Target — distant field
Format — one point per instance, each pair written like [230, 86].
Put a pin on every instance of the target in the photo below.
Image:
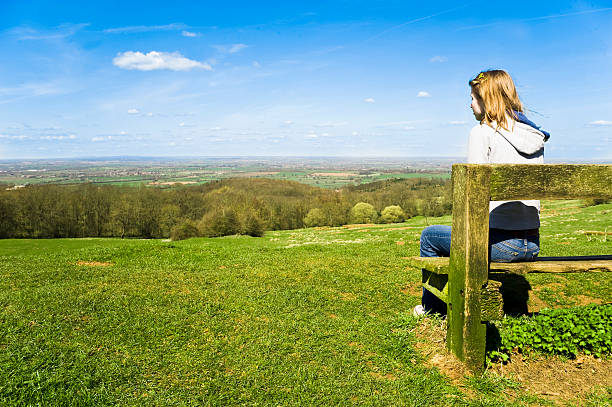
[169, 178]
[325, 173]
[301, 317]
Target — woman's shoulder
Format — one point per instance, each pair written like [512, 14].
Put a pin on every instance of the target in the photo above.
[481, 130]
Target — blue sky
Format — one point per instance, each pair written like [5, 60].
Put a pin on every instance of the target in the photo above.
[316, 78]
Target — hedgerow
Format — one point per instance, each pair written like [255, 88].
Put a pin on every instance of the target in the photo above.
[566, 332]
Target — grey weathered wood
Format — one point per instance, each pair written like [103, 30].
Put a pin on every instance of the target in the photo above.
[468, 266]
[572, 264]
[438, 265]
[545, 181]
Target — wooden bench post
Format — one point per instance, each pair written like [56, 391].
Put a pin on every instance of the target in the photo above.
[468, 267]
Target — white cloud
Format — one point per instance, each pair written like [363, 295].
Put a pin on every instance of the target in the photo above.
[236, 47]
[354, 133]
[31, 89]
[369, 100]
[409, 128]
[256, 64]
[150, 114]
[154, 60]
[185, 33]
[216, 128]
[288, 122]
[144, 28]
[438, 58]
[423, 94]
[59, 32]
[59, 137]
[133, 111]
[230, 48]
[338, 124]
[396, 124]
[20, 137]
[601, 123]
[311, 135]
[457, 122]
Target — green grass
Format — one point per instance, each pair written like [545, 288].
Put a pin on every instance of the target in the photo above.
[303, 317]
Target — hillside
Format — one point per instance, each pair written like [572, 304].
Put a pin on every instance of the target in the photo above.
[298, 317]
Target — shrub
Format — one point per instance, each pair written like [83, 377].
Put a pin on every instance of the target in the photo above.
[393, 214]
[315, 217]
[363, 212]
[253, 225]
[220, 223]
[563, 332]
[595, 201]
[184, 230]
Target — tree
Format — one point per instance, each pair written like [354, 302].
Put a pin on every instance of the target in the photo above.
[169, 217]
[363, 212]
[315, 217]
[252, 225]
[393, 214]
[220, 223]
[184, 230]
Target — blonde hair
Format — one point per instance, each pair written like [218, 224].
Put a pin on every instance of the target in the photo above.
[498, 94]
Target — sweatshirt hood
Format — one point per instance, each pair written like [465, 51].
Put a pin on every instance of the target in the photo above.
[520, 117]
[524, 138]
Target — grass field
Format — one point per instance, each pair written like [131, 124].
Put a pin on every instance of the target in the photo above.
[304, 317]
[179, 176]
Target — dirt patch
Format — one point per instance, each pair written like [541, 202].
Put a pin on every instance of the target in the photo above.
[431, 344]
[400, 243]
[256, 173]
[172, 182]
[584, 300]
[536, 304]
[333, 174]
[348, 296]
[557, 380]
[412, 289]
[359, 225]
[379, 376]
[93, 263]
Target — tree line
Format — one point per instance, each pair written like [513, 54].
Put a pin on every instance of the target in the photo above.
[231, 206]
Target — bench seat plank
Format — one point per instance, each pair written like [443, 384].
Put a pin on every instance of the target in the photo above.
[573, 264]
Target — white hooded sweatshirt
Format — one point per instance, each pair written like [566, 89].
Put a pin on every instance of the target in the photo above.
[523, 144]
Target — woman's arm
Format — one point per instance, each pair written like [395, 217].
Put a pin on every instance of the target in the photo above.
[479, 145]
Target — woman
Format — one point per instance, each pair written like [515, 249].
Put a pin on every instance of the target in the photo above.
[504, 135]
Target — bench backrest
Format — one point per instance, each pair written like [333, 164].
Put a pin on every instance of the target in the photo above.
[474, 185]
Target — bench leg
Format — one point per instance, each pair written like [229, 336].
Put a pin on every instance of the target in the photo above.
[468, 266]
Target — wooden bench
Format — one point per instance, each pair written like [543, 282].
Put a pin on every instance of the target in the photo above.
[463, 280]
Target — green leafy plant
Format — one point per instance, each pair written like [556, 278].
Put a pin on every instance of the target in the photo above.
[565, 332]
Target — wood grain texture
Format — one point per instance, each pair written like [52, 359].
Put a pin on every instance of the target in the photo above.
[437, 265]
[572, 264]
[546, 181]
[468, 264]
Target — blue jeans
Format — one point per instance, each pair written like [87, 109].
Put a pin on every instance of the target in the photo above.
[503, 248]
